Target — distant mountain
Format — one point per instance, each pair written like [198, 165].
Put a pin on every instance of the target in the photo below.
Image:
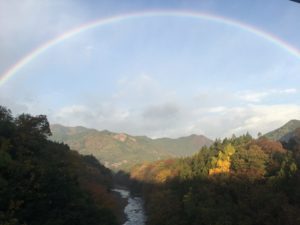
[183, 146]
[284, 132]
[122, 151]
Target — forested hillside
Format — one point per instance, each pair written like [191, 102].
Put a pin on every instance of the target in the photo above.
[283, 132]
[236, 181]
[120, 151]
[43, 182]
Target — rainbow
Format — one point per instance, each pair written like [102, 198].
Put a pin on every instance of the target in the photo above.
[131, 16]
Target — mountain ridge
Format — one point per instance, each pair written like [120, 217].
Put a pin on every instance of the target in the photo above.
[282, 133]
[121, 150]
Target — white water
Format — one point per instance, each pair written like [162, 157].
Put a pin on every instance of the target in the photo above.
[134, 209]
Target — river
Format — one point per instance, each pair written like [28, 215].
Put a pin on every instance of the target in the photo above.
[134, 210]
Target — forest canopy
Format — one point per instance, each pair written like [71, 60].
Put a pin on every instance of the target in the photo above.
[43, 182]
[236, 181]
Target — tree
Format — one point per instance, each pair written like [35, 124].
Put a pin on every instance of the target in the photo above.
[42, 182]
[6, 122]
[37, 126]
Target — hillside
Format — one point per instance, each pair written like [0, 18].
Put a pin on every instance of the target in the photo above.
[235, 181]
[43, 182]
[283, 132]
[122, 151]
[183, 146]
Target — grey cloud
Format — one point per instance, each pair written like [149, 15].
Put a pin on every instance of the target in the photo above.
[161, 112]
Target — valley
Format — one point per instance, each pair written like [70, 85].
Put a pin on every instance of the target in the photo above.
[236, 180]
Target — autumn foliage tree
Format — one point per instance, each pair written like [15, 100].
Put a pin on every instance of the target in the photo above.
[235, 181]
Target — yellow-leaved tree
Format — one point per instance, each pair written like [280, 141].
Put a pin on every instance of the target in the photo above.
[221, 163]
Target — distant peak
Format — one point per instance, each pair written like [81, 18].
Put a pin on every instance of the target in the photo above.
[284, 130]
[293, 121]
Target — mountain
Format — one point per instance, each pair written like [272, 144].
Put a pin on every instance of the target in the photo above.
[122, 151]
[283, 132]
[183, 146]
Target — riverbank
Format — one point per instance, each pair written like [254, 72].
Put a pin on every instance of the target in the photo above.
[123, 202]
[134, 210]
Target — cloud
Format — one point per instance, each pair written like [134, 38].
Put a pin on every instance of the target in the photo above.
[267, 117]
[166, 119]
[251, 118]
[92, 116]
[217, 97]
[252, 96]
[173, 120]
[289, 91]
[140, 106]
[161, 112]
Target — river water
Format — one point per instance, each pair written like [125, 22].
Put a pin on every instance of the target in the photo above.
[134, 209]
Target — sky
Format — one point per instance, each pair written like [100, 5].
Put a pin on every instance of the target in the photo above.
[160, 76]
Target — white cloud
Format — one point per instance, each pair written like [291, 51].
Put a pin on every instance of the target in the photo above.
[97, 116]
[256, 96]
[251, 118]
[264, 117]
[289, 91]
[143, 107]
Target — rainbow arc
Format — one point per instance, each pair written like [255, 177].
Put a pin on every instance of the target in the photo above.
[13, 70]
